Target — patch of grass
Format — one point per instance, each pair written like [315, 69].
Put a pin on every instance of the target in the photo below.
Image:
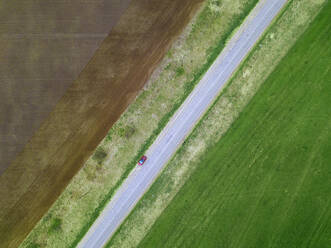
[265, 183]
[109, 136]
[129, 131]
[169, 54]
[167, 67]
[180, 71]
[274, 45]
[33, 245]
[55, 225]
[99, 155]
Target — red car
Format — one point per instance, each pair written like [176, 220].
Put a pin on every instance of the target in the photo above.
[142, 160]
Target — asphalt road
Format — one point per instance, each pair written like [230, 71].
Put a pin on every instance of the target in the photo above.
[181, 124]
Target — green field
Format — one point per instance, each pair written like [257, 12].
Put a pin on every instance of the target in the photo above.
[267, 181]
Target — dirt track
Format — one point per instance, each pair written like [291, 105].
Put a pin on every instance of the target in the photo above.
[44, 45]
[109, 82]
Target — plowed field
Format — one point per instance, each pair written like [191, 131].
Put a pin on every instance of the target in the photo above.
[44, 46]
[83, 116]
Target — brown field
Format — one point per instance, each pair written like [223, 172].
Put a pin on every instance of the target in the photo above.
[83, 116]
[44, 45]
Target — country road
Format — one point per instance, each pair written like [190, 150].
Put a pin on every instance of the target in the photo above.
[182, 123]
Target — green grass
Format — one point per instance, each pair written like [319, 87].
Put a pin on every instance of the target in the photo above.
[33, 245]
[180, 71]
[55, 225]
[266, 183]
[99, 155]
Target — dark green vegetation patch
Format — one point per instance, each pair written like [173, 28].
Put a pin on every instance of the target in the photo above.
[267, 181]
[55, 225]
[99, 155]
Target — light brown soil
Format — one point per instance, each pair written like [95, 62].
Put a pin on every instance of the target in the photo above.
[44, 45]
[109, 82]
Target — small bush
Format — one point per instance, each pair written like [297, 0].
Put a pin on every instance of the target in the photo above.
[109, 136]
[180, 71]
[126, 131]
[129, 131]
[55, 225]
[99, 155]
[167, 67]
[33, 245]
[91, 172]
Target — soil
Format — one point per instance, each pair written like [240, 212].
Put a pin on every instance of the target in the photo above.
[44, 45]
[103, 90]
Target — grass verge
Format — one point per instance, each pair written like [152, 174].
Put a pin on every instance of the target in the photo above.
[189, 58]
[274, 45]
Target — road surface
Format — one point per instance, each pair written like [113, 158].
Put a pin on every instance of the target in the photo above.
[181, 124]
